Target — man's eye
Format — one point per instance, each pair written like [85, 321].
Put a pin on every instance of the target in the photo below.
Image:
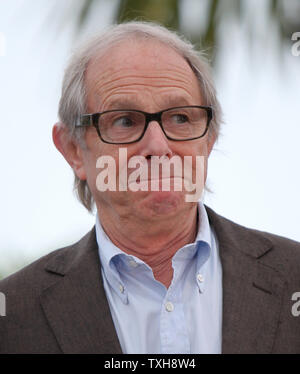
[179, 118]
[123, 122]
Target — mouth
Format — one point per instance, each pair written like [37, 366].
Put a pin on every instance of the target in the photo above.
[164, 184]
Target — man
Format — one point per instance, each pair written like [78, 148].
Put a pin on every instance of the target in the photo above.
[160, 272]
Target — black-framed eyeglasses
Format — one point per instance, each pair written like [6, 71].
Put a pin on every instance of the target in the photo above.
[122, 126]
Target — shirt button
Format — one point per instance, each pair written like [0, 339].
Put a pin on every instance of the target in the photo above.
[200, 278]
[121, 287]
[169, 306]
[133, 263]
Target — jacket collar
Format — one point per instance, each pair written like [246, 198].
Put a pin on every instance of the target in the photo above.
[75, 305]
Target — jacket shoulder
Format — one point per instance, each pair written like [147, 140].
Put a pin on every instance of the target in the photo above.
[34, 277]
[279, 252]
[24, 327]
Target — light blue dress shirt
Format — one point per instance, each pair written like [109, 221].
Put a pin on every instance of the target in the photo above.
[148, 317]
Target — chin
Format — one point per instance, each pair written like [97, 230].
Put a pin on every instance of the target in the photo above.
[162, 203]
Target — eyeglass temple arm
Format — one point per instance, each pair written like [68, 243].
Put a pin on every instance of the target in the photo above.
[84, 120]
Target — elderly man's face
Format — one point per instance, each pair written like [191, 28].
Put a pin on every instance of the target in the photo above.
[146, 76]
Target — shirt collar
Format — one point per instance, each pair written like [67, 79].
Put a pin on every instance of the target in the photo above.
[204, 247]
[109, 253]
[201, 248]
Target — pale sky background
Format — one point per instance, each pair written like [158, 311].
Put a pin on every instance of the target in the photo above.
[253, 172]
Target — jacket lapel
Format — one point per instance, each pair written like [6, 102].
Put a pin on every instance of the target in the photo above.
[75, 305]
[252, 289]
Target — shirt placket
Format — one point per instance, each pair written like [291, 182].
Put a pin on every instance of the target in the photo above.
[173, 329]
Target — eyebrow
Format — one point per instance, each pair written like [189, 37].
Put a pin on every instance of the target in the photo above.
[126, 103]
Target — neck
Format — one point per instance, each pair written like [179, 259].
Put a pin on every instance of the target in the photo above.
[154, 243]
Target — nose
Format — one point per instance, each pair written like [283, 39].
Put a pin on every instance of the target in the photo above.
[154, 142]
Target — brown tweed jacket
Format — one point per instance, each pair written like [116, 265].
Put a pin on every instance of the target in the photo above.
[58, 305]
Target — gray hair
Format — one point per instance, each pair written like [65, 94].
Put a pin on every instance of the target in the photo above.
[73, 98]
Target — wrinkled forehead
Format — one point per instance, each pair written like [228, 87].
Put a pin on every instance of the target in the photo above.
[135, 61]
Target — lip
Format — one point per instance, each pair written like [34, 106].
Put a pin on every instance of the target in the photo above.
[138, 180]
[161, 178]
[159, 184]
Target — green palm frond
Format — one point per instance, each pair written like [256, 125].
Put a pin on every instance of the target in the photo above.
[167, 13]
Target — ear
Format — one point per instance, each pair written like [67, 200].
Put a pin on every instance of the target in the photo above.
[70, 149]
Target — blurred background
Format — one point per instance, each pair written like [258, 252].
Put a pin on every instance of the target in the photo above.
[254, 169]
